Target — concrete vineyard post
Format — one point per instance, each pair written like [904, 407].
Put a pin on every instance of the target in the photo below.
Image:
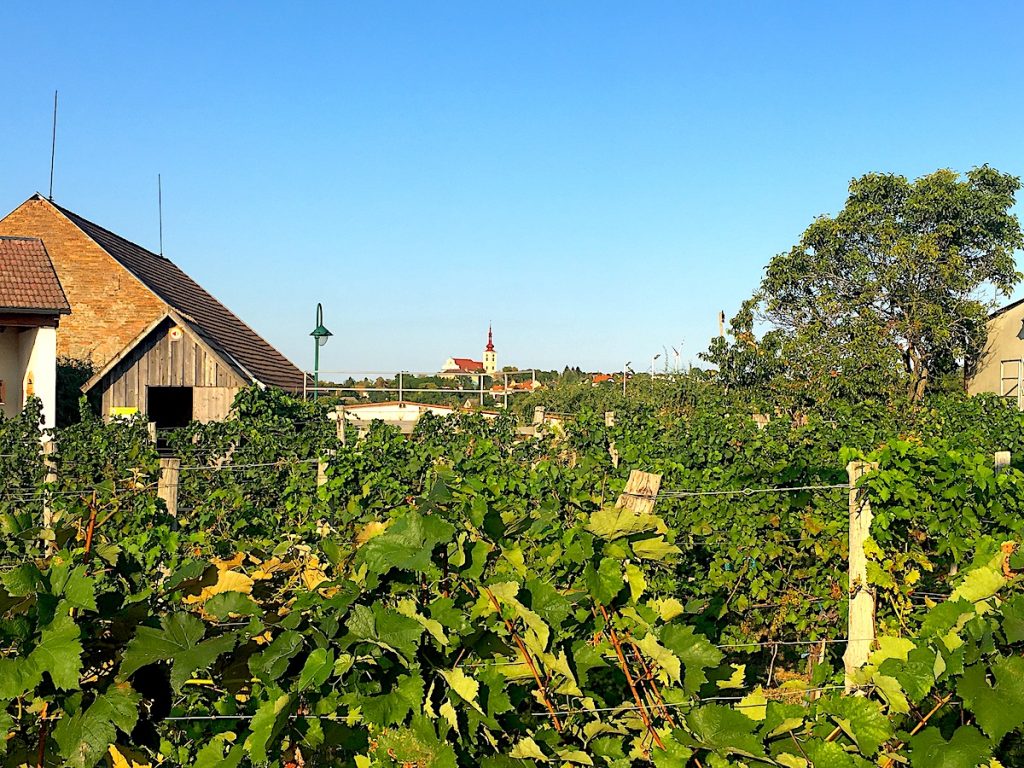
[1002, 461]
[861, 629]
[609, 422]
[49, 448]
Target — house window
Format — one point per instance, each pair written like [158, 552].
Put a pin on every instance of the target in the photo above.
[1011, 373]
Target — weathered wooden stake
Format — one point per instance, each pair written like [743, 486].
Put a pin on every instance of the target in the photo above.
[640, 493]
[538, 415]
[321, 472]
[1002, 460]
[167, 485]
[151, 428]
[861, 629]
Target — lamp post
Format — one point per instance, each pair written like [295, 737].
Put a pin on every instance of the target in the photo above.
[653, 359]
[625, 370]
[320, 336]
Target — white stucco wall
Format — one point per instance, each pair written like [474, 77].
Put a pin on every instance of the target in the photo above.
[10, 370]
[1005, 344]
[28, 365]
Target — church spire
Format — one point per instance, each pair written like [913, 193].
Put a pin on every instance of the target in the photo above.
[490, 339]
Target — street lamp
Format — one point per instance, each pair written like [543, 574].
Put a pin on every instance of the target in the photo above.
[652, 370]
[625, 370]
[320, 336]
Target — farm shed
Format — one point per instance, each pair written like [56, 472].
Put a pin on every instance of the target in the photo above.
[174, 373]
[124, 300]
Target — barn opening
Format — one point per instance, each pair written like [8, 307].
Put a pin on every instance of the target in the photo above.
[169, 407]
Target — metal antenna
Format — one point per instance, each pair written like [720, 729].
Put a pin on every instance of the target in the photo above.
[53, 144]
[160, 211]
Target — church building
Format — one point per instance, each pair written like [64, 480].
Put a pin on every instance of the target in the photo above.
[455, 366]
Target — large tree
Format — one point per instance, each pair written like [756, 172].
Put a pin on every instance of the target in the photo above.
[904, 265]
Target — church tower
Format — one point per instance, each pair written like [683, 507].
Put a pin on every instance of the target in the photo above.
[490, 356]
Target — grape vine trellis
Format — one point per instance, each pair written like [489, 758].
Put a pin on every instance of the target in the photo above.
[464, 598]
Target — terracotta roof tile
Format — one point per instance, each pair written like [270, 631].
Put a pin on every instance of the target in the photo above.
[27, 280]
[217, 325]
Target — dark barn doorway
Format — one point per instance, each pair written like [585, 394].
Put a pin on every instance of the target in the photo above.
[169, 407]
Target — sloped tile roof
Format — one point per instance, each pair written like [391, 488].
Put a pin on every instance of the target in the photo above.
[27, 280]
[465, 365]
[214, 322]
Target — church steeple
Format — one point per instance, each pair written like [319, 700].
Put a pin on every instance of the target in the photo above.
[490, 356]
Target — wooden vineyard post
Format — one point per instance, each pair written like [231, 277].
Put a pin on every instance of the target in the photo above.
[151, 429]
[538, 415]
[609, 422]
[640, 493]
[167, 486]
[321, 473]
[1002, 460]
[861, 629]
[49, 448]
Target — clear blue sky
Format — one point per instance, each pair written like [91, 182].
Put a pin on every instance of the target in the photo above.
[597, 178]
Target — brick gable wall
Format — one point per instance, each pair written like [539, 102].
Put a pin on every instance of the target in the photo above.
[109, 306]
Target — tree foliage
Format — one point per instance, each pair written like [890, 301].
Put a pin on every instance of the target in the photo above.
[886, 295]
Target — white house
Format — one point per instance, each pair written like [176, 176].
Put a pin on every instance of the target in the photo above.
[31, 303]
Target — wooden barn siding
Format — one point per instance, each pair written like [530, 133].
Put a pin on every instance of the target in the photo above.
[159, 362]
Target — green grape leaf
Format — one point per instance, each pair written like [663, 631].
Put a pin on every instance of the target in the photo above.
[120, 705]
[6, 726]
[266, 724]
[177, 641]
[464, 685]
[695, 651]
[391, 708]
[861, 719]
[84, 738]
[917, 674]
[662, 657]
[22, 580]
[59, 651]
[211, 755]
[831, 755]
[612, 523]
[547, 603]
[225, 604]
[73, 586]
[724, 730]
[655, 548]
[966, 749]
[407, 544]
[18, 677]
[275, 658]
[606, 581]
[1013, 619]
[999, 708]
[316, 669]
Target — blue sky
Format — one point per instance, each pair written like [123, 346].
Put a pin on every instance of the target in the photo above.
[598, 179]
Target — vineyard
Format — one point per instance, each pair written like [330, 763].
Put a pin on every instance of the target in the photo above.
[470, 597]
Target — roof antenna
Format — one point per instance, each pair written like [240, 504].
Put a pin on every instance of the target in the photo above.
[53, 144]
[160, 209]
